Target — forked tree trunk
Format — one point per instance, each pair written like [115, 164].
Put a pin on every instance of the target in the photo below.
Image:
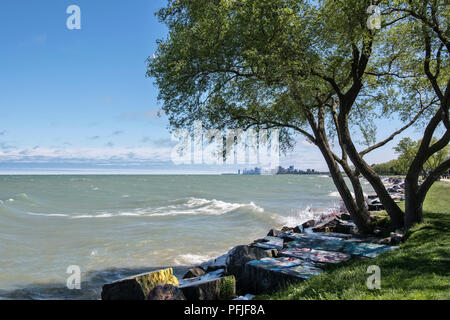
[357, 210]
[414, 193]
[395, 213]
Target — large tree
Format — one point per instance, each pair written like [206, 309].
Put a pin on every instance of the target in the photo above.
[242, 64]
[308, 67]
[426, 22]
[419, 68]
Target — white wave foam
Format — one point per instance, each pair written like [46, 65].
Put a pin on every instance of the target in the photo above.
[192, 259]
[256, 208]
[193, 206]
[334, 194]
[196, 206]
[299, 217]
[303, 215]
[48, 214]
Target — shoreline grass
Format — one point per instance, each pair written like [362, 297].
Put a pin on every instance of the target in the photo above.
[419, 269]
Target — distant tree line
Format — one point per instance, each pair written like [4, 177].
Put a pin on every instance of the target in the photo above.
[407, 150]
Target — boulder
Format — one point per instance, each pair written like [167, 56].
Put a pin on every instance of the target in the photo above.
[238, 258]
[194, 272]
[367, 250]
[330, 235]
[315, 256]
[270, 243]
[377, 232]
[277, 232]
[345, 216]
[335, 225]
[258, 241]
[210, 289]
[387, 241]
[137, 287]
[165, 292]
[397, 238]
[273, 274]
[215, 264]
[286, 229]
[317, 242]
[308, 224]
[213, 268]
[274, 233]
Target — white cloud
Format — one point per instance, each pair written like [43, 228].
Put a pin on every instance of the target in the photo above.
[87, 154]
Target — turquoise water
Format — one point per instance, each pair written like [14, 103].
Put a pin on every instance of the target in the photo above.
[114, 226]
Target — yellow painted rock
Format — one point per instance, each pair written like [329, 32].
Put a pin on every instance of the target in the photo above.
[137, 287]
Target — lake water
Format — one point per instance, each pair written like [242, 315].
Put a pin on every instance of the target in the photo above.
[115, 226]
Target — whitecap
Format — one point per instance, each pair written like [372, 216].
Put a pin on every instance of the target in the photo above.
[334, 194]
[196, 206]
[191, 206]
[48, 214]
[192, 259]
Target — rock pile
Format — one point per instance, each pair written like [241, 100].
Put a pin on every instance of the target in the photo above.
[396, 189]
[284, 256]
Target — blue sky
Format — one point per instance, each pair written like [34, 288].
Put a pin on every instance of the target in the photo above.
[79, 99]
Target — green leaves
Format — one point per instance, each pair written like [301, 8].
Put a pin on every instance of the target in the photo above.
[256, 62]
[407, 150]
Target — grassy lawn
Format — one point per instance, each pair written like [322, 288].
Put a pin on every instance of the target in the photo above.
[420, 269]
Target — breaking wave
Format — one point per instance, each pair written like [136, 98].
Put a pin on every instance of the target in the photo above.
[192, 259]
[334, 194]
[301, 216]
[190, 206]
[297, 218]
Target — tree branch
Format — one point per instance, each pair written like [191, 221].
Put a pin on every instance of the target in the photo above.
[394, 134]
[432, 177]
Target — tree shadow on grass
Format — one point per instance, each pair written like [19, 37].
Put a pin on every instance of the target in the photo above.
[91, 285]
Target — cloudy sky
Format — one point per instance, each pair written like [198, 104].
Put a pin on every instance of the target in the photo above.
[79, 99]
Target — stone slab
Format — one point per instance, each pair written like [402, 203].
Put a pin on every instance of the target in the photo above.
[315, 256]
[206, 277]
[223, 288]
[137, 287]
[318, 243]
[368, 250]
[275, 273]
[270, 243]
[332, 234]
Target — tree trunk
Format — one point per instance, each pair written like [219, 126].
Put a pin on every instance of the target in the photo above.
[358, 211]
[395, 213]
[415, 194]
[413, 204]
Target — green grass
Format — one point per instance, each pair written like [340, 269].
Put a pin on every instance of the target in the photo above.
[420, 269]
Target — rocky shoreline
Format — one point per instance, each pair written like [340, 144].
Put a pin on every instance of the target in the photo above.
[284, 256]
